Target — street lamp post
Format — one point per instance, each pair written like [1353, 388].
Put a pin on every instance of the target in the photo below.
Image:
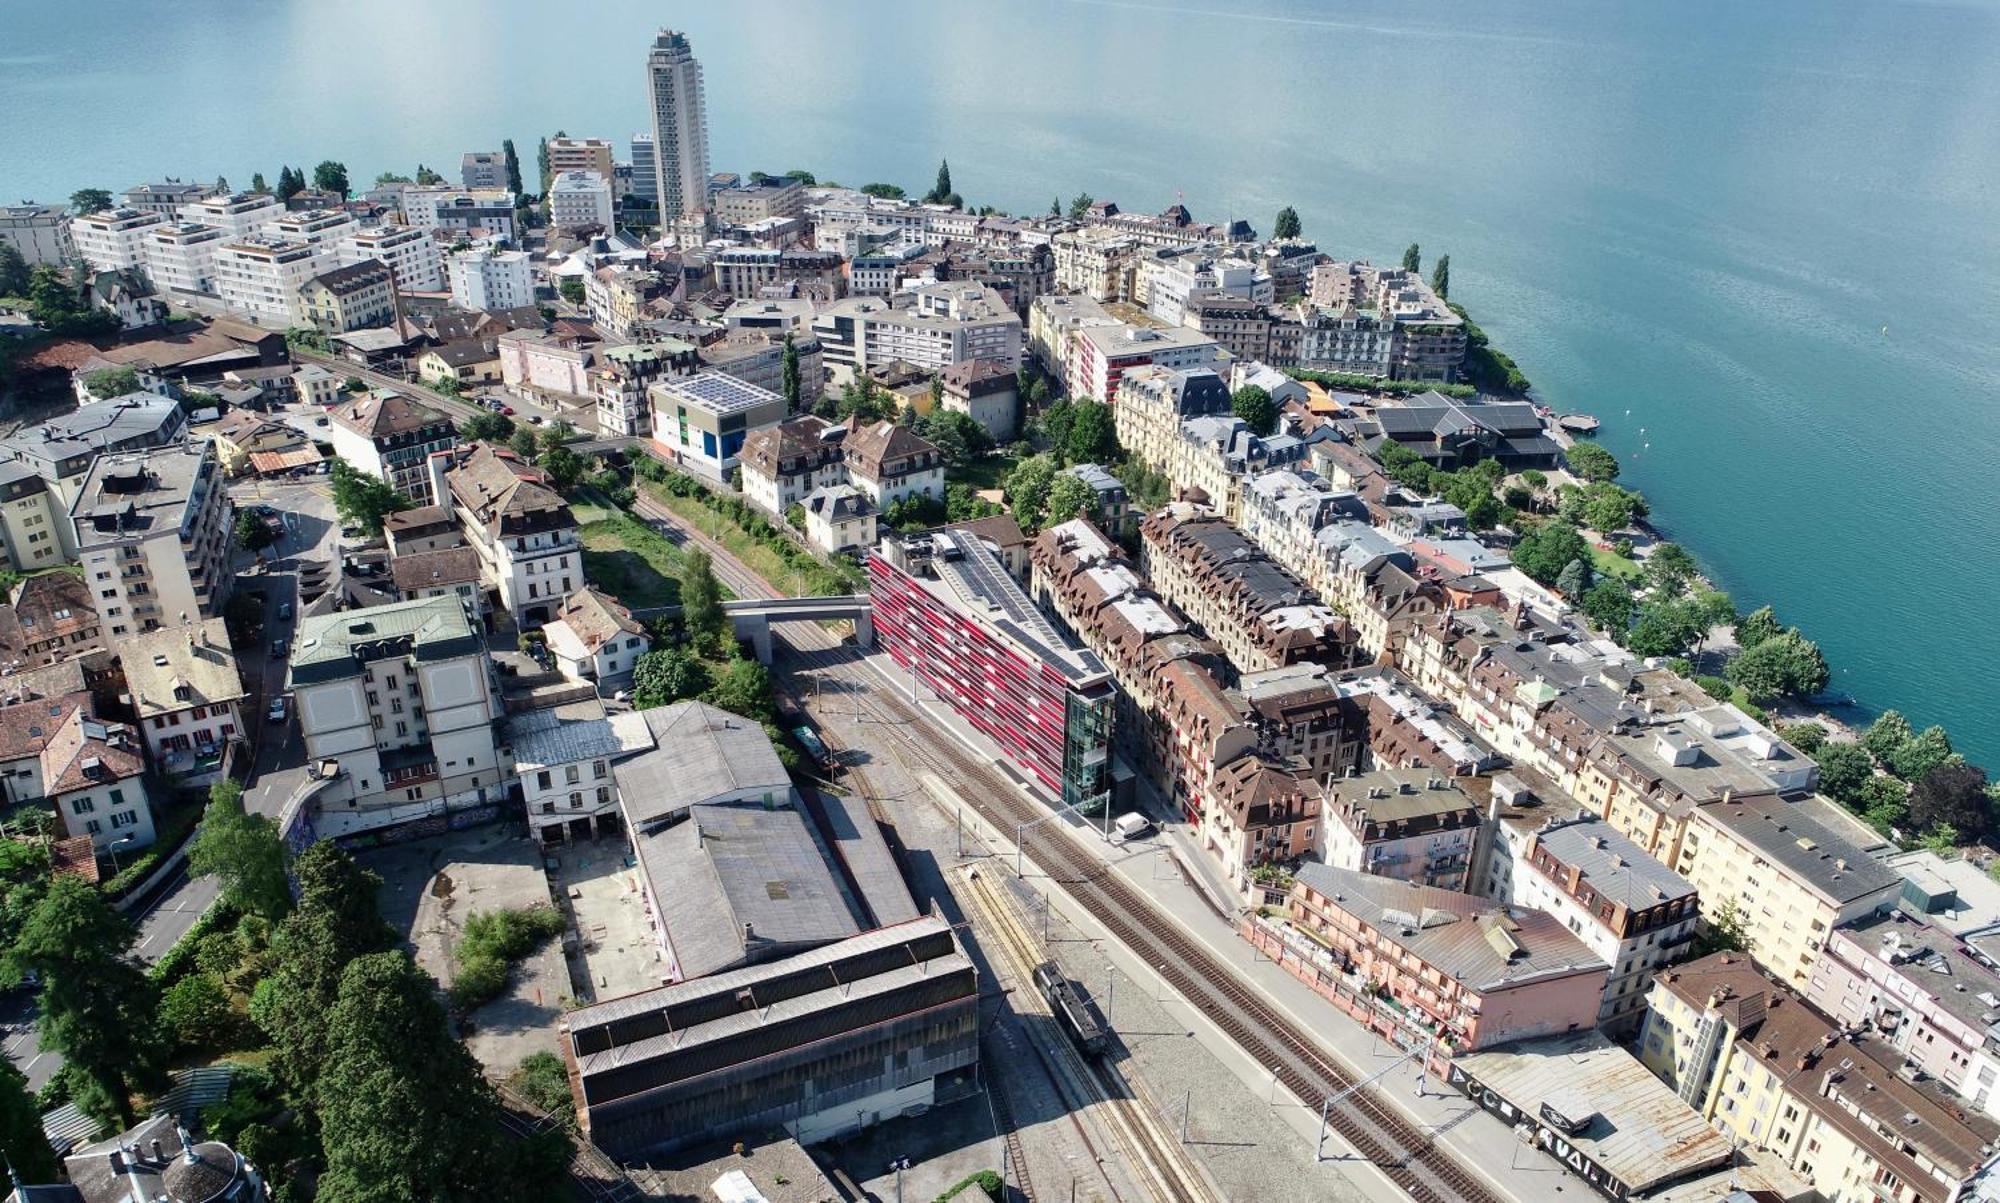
[114, 846]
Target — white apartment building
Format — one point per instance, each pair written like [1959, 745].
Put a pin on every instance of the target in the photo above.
[581, 154]
[1101, 355]
[1053, 321]
[1165, 285]
[165, 197]
[390, 436]
[580, 198]
[460, 210]
[188, 696]
[398, 701]
[483, 278]
[153, 532]
[324, 229]
[113, 239]
[563, 757]
[39, 232]
[522, 529]
[931, 328]
[595, 638]
[1097, 262]
[645, 169]
[237, 215]
[180, 257]
[415, 256]
[261, 277]
[680, 126]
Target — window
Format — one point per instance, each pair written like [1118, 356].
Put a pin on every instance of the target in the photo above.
[603, 794]
[123, 818]
[572, 774]
[94, 827]
[402, 728]
[542, 780]
[117, 797]
[83, 806]
[576, 801]
[597, 770]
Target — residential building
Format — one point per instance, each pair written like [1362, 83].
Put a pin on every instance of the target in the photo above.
[1924, 990]
[95, 777]
[242, 434]
[1382, 322]
[701, 421]
[580, 154]
[680, 126]
[127, 295]
[166, 197]
[452, 213]
[1260, 614]
[948, 612]
[749, 204]
[878, 1025]
[113, 239]
[326, 229]
[890, 463]
[48, 619]
[484, 278]
[553, 367]
[785, 463]
[930, 328]
[1053, 320]
[1773, 1073]
[986, 391]
[562, 756]
[237, 214]
[188, 696]
[1097, 262]
[262, 278]
[618, 298]
[1103, 354]
[840, 518]
[390, 436]
[153, 536]
[744, 271]
[40, 232]
[455, 571]
[349, 298]
[397, 707]
[1240, 326]
[1787, 874]
[1431, 968]
[316, 385]
[35, 530]
[180, 257]
[483, 169]
[1636, 914]
[522, 529]
[61, 450]
[771, 315]
[1110, 508]
[624, 374]
[414, 257]
[158, 1159]
[1409, 824]
[581, 199]
[466, 361]
[1167, 284]
[1151, 404]
[645, 170]
[594, 638]
[1263, 812]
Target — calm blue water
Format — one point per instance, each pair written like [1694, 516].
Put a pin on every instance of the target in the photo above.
[1703, 213]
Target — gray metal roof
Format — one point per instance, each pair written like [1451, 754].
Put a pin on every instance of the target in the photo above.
[701, 753]
[554, 736]
[1809, 849]
[863, 852]
[1616, 868]
[333, 646]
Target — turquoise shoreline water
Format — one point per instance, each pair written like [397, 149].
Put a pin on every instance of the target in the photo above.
[1758, 240]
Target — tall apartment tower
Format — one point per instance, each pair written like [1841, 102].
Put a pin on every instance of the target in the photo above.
[680, 126]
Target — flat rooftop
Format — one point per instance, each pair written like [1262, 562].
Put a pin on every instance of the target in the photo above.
[719, 394]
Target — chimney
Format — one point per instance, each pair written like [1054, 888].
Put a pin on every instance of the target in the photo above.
[749, 931]
[159, 1156]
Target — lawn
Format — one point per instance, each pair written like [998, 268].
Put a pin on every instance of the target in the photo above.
[987, 472]
[813, 577]
[1610, 563]
[631, 561]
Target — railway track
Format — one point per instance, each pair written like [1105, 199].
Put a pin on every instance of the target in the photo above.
[1163, 1169]
[1400, 1148]
[1003, 1118]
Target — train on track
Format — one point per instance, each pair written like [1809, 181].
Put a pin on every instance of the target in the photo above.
[1071, 1011]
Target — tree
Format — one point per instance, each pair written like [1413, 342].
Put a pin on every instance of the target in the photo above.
[245, 852]
[1591, 462]
[1609, 604]
[744, 687]
[1669, 568]
[1069, 496]
[1574, 580]
[290, 182]
[794, 384]
[486, 426]
[1413, 258]
[1884, 804]
[331, 176]
[1254, 405]
[1722, 931]
[97, 1005]
[222, 185]
[1886, 734]
[1546, 550]
[942, 188]
[391, 177]
[522, 443]
[14, 273]
[1952, 794]
[1788, 666]
[257, 184]
[1093, 433]
[1942, 840]
[1666, 628]
[61, 308]
[804, 177]
[883, 191]
[1843, 769]
[1608, 508]
[334, 922]
[1055, 207]
[195, 1012]
[403, 1111]
[105, 383]
[701, 602]
[1287, 225]
[513, 166]
[1081, 204]
[666, 676]
[1027, 489]
[28, 1155]
[362, 499]
[1441, 277]
[90, 200]
[1917, 757]
[428, 178]
[571, 290]
[1808, 736]
[565, 467]
[251, 533]
[1757, 626]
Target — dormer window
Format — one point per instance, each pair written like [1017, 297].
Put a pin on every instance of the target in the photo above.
[183, 694]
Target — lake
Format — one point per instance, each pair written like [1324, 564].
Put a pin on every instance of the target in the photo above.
[1760, 240]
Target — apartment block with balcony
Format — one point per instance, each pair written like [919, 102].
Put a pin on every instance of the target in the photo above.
[237, 214]
[1152, 402]
[891, 463]
[180, 257]
[62, 449]
[1409, 824]
[1260, 614]
[580, 199]
[1263, 811]
[1837, 1105]
[414, 256]
[488, 279]
[1101, 355]
[949, 613]
[396, 704]
[521, 527]
[482, 169]
[461, 213]
[390, 436]
[936, 326]
[188, 696]
[153, 533]
[40, 232]
[1381, 322]
[349, 298]
[113, 239]
[741, 271]
[263, 278]
[1097, 262]
[1168, 283]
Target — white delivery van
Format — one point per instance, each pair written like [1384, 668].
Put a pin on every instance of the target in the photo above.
[1129, 826]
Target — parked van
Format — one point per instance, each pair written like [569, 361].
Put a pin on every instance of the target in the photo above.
[1129, 826]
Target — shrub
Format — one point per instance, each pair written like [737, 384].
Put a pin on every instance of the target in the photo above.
[543, 1081]
[195, 1012]
[480, 980]
[491, 942]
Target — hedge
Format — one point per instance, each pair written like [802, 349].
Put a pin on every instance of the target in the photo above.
[985, 1180]
[174, 961]
[174, 829]
[1369, 384]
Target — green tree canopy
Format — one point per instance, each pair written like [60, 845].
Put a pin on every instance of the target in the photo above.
[884, 191]
[1609, 604]
[1953, 794]
[743, 687]
[14, 273]
[1027, 490]
[1916, 757]
[1546, 550]
[1441, 277]
[1789, 665]
[1670, 569]
[1081, 203]
[794, 383]
[90, 200]
[942, 189]
[334, 922]
[1413, 258]
[331, 176]
[251, 532]
[1591, 462]
[565, 467]
[1069, 496]
[1574, 580]
[702, 616]
[1757, 626]
[1287, 225]
[1254, 405]
[245, 852]
[1843, 769]
[486, 427]
[513, 166]
[362, 499]
[26, 1146]
[1887, 733]
[97, 1005]
[666, 676]
[1093, 433]
[105, 383]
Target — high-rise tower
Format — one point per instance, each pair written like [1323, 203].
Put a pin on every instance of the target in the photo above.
[680, 126]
